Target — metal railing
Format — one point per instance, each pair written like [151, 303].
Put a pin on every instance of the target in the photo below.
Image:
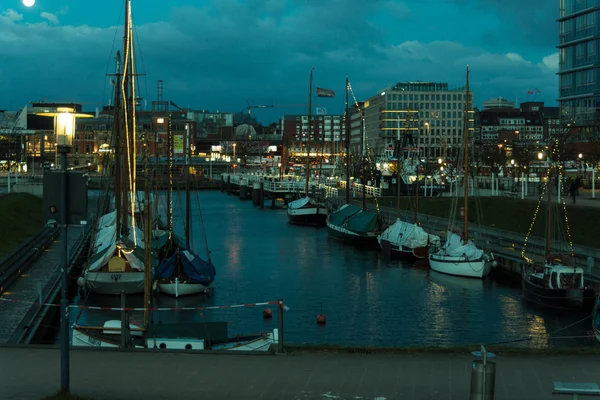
[38, 310]
[19, 260]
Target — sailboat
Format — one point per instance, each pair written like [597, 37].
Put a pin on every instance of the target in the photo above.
[459, 255]
[306, 210]
[116, 255]
[188, 336]
[181, 272]
[555, 281]
[404, 240]
[350, 223]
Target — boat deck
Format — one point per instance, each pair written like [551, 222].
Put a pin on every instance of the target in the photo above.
[33, 373]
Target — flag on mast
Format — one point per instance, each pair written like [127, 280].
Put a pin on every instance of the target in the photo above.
[325, 93]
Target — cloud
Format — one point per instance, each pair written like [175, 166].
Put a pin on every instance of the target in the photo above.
[53, 19]
[226, 52]
[11, 15]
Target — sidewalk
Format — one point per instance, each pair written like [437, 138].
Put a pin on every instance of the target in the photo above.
[32, 373]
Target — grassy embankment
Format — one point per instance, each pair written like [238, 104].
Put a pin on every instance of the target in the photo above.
[510, 214]
[20, 218]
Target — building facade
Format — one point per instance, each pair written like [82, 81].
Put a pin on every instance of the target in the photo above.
[327, 132]
[579, 61]
[427, 115]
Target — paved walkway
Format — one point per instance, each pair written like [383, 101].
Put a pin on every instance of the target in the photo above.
[33, 373]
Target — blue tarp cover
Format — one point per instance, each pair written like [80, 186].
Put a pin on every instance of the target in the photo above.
[194, 267]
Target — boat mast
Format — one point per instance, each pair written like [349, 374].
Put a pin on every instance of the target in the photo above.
[126, 194]
[398, 169]
[187, 187]
[147, 235]
[466, 160]
[417, 187]
[118, 149]
[549, 186]
[347, 129]
[309, 132]
[169, 174]
[364, 156]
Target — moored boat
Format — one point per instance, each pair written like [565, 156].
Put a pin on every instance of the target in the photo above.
[407, 241]
[557, 284]
[307, 211]
[354, 225]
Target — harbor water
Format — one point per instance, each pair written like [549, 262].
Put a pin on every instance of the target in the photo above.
[367, 299]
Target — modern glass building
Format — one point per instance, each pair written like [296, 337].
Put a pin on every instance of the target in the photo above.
[579, 65]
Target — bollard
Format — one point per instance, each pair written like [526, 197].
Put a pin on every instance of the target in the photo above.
[483, 377]
[261, 201]
[256, 193]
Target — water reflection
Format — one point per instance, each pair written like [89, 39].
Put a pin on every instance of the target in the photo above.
[368, 300]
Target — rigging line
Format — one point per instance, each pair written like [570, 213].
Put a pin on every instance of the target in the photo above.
[366, 157]
[111, 49]
[133, 174]
[141, 55]
[126, 120]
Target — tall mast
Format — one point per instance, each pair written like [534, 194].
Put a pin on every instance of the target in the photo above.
[364, 155]
[147, 234]
[549, 186]
[187, 186]
[418, 182]
[309, 132]
[125, 188]
[169, 174]
[347, 129]
[398, 169]
[466, 160]
[118, 149]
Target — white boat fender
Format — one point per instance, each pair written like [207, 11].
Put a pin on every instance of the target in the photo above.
[81, 282]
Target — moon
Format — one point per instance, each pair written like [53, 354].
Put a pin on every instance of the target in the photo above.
[28, 3]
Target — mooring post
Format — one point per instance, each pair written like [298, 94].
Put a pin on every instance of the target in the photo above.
[262, 195]
[280, 328]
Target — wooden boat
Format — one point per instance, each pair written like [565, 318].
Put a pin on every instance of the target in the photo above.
[557, 284]
[459, 256]
[307, 210]
[554, 281]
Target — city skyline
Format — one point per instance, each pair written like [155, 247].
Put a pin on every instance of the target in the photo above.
[219, 55]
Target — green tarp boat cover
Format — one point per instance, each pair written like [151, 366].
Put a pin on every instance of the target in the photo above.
[354, 219]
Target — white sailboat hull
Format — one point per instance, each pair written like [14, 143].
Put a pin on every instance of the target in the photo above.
[114, 283]
[458, 266]
[177, 288]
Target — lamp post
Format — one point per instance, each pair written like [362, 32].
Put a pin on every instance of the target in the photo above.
[64, 127]
[64, 130]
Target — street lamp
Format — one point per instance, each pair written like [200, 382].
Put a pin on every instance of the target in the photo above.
[580, 155]
[540, 156]
[64, 130]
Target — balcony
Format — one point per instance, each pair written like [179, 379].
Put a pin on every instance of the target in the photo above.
[575, 8]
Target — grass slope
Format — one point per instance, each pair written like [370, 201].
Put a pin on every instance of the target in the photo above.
[21, 217]
[511, 215]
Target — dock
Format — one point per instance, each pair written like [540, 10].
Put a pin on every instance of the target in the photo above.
[33, 373]
[21, 312]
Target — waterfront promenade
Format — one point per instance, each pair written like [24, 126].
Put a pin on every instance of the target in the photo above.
[32, 373]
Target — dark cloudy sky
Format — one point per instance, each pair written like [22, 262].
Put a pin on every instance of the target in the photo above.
[216, 54]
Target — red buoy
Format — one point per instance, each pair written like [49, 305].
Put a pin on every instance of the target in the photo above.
[267, 313]
[321, 320]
